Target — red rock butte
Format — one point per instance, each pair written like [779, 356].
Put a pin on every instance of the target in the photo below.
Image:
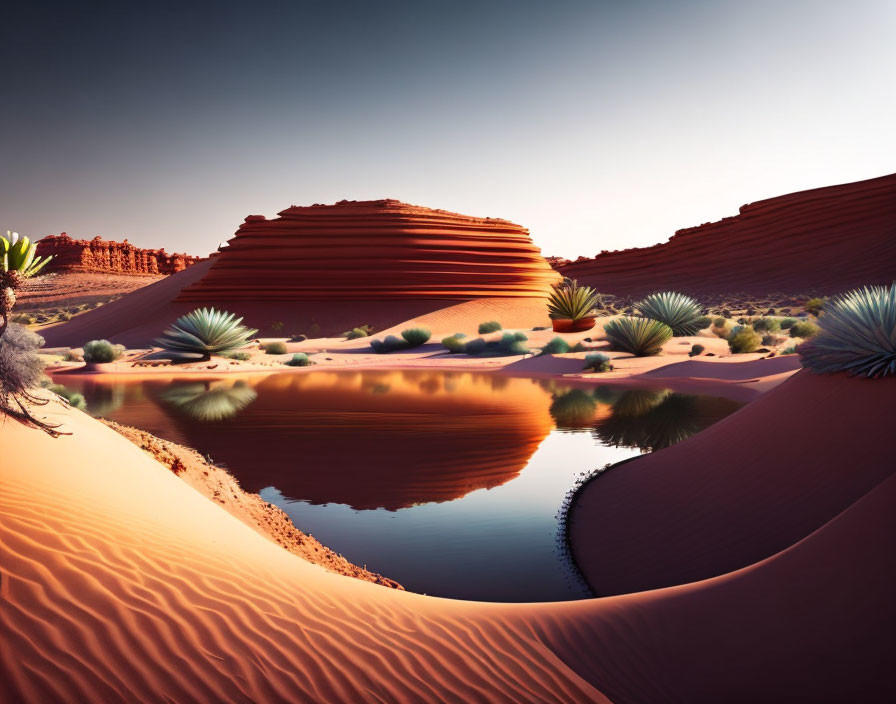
[823, 241]
[382, 249]
[107, 256]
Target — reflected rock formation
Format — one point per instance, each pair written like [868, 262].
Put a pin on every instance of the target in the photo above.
[374, 440]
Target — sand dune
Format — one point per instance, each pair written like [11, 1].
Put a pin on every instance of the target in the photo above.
[825, 240]
[121, 583]
[742, 490]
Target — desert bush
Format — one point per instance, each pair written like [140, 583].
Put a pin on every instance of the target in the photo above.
[21, 370]
[298, 338]
[766, 325]
[204, 332]
[815, 305]
[696, 350]
[238, 356]
[70, 356]
[569, 300]
[510, 344]
[579, 347]
[556, 346]
[719, 322]
[390, 343]
[743, 338]
[276, 347]
[597, 362]
[490, 326]
[787, 323]
[789, 350]
[681, 313]
[722, 331]
[454, 343]
[101, 352]
[857, 334]
[360, 331]
[22, 319]
[804, 330]
[416, 336]
[573, 409]
[641, 337]
[703, 322]
[64, 317]
[299, 359]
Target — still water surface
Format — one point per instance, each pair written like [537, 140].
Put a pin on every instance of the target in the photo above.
[448, 482]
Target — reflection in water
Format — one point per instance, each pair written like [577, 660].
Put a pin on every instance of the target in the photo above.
[207, 402]
[393, 467]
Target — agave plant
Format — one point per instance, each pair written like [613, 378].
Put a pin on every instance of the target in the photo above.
[569, 300]
[857, 334]
[18, 261]
[207, 402]
[679, 312]
[204, 332]
[640, 336]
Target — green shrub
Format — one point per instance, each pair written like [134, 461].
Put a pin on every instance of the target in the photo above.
[579, 347]
[681, 313]
[719, 322]
[815, 305]
[597, 362]
[696, 350]
[766, 325]
[475, 347]
[238, 356]
[204, 332]
[569, 300]
[490, 326]
[276, 347]
[787, 323]
[804, 330]
[355, 333]
[453, 343]
[857, 334]
[789, 350]
[299, 359]
[703, 322]
[556, 346]
[744, 338]
[573, 409]
[22, 319]
[70, 356]
[510, 344]
[416, 336]
[101, 352]
[390, 343]
[641, 337]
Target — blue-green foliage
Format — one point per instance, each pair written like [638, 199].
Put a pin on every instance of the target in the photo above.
[510, 344]
[490, 326]
[857, 334]
[101, 352]
[556, 346]
[300, 359]
[202, 333]
[416, 336]
[597, 362]
[681, 313]
[639, 336]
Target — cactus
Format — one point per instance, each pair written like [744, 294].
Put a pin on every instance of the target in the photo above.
[18, 261]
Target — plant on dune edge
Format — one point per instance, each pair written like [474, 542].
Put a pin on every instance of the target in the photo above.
[569, 300]
[641, 337]
[555, 346]
[410, 338]
[490, 326]
[201, 333]
[679, 312]
[857, 334]
[101, 352]
[597, 362]
[20, 371]
[744, 338]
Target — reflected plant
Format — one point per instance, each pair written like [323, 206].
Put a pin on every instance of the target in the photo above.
[573, 409]
[207, 403]
[636, 402]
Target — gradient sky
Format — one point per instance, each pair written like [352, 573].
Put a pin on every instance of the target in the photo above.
[597, 125]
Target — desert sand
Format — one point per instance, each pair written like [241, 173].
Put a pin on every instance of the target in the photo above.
[122, 583]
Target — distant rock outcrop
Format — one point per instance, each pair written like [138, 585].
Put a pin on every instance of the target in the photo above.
[107, 256]
[365, 250]
[824, 241]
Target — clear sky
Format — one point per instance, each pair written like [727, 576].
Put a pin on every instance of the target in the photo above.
[597, 125]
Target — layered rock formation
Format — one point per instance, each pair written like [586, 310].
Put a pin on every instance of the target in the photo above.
[107, 256]
[822, 241]
[363, 250]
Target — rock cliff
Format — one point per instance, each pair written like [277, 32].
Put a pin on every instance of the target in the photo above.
[107, 256]
[364, 250]
[823, 241]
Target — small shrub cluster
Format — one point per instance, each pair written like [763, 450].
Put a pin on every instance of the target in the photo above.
[490, 326]
[410, 338]
[696, 350]
[510, 344]
[766, 324]
[597, 362]
[787, 323]
[815, 306]
[355, 333]
[75, 398]
[299, 359]
[556, 346]
[238, 356]
[804, 330]
[454, 343]
[101, 352]
[277, 347]
[744, 338]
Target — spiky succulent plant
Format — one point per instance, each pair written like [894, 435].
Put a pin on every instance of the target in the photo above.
[857, 334]
[18, 261]
[204, 332]
[679, 312]
[641, 337]
[569, 300]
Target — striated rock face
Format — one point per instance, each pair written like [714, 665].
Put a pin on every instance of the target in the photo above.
[826, 240]
[99, 255]
[364, 250]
